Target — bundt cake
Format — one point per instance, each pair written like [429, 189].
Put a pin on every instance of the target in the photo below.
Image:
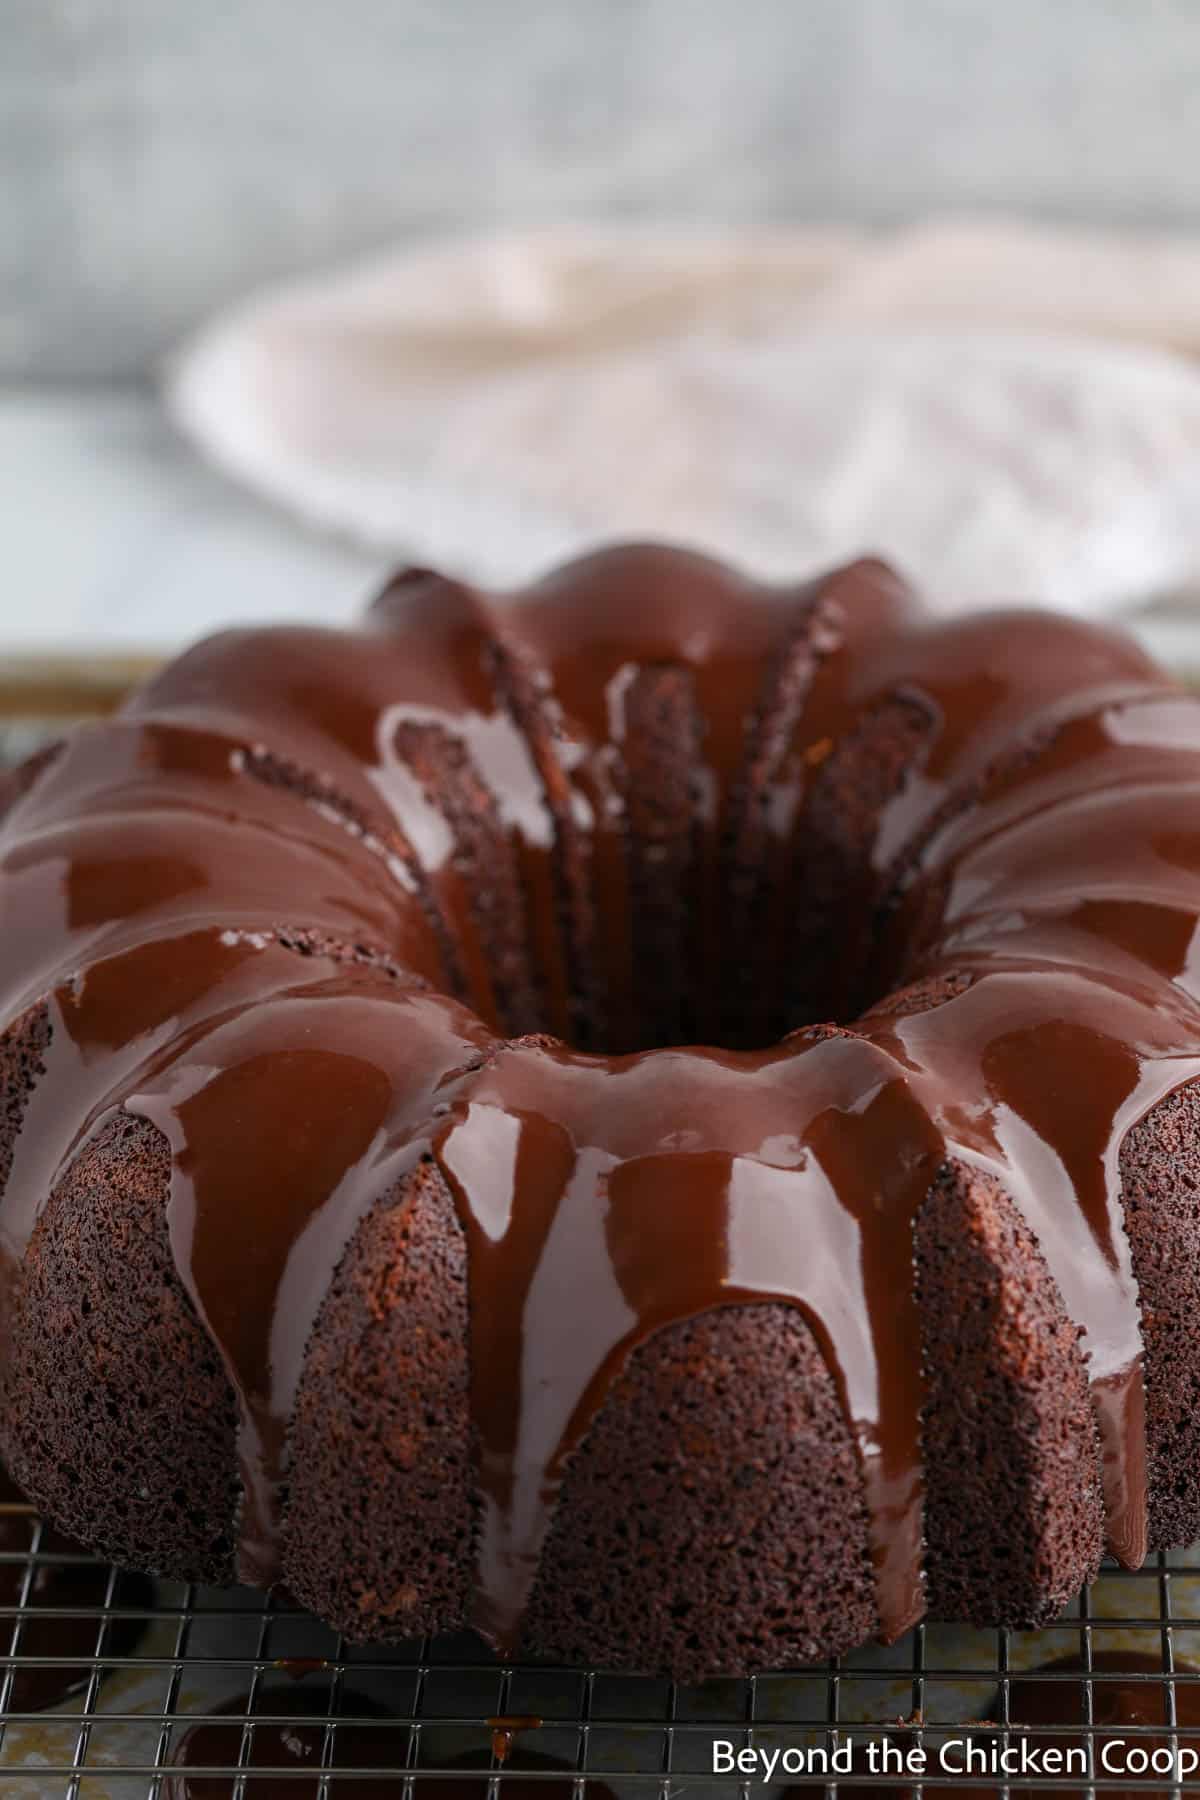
[656, 1120]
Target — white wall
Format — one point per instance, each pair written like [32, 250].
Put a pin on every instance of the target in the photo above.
[159, 156]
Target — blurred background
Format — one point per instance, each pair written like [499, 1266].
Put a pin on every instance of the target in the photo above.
[797, 259]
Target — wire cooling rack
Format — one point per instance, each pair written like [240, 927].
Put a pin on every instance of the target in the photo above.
[232, 1679]
[440, 1715]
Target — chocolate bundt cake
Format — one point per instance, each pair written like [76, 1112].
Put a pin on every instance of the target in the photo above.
[656, 1119]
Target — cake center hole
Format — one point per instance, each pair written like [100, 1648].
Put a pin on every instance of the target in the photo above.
[772, 919]
[772, 951]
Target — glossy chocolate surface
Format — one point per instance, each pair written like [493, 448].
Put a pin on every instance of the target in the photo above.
[1042, 851]
[1052, 1696]
[292, 1740]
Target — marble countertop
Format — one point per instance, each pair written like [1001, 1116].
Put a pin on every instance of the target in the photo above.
[120, 542]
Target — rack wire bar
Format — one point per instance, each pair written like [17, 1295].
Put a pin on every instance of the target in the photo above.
[244, 1662]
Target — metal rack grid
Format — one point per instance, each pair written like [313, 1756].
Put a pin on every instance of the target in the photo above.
[431, 1706]
[115, 1737]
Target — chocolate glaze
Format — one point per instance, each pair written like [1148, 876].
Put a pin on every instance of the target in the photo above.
[1119, 1700]
[293, 1746]
[298, 1744]
[506, 1728]
[150, 873]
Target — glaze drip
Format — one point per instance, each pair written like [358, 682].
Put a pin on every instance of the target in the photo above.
[155, 874]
